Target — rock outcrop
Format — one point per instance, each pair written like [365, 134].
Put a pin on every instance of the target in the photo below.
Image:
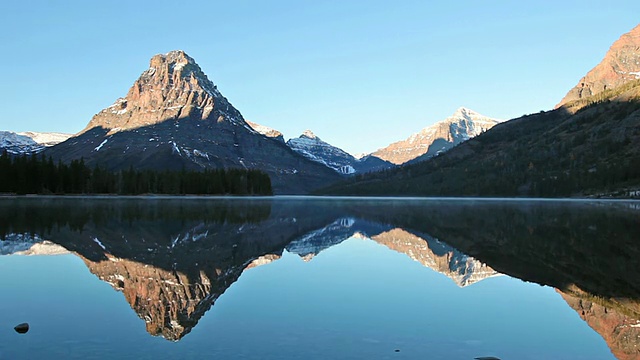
[620, 65]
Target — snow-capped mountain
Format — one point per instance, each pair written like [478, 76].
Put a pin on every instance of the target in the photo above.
[437, 138]
[174, 118]
[313, 148]
[29, 142]
[267, 131]
[46, 138]
[18, 144]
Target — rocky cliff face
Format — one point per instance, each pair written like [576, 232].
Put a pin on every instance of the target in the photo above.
[174, 117]
[174, 87]
[620, 65]
[437, 138]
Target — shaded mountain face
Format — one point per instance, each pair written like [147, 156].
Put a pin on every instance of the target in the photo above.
[313, 148]
[174, 117]
[620, 65]
[590, 147]
[463, 125]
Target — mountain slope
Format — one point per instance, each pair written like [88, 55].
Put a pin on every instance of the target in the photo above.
[620, 64]
[588, 147]
[437, 138]
[312, 147]
[174, 117]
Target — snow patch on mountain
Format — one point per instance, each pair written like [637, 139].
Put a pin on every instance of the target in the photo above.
[46, 138]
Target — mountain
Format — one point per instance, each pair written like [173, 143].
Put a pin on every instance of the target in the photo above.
[18, 144]
[620, 64]
[29, 142]
[589, 149]
[174, 118]
[312, 147]
[437, 138]
[586, 147]
[46, 138]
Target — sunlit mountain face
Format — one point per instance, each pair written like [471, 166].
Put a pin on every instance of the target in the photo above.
[173, 259]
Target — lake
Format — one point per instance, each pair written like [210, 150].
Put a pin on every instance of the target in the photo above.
[319, 278]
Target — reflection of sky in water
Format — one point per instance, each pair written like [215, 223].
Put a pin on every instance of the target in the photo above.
[353, 301]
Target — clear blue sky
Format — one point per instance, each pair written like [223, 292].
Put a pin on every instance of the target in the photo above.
[360, 74]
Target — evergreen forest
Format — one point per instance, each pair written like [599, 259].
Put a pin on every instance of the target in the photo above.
[39, 175]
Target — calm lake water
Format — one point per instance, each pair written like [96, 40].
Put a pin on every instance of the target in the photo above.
[319, 278]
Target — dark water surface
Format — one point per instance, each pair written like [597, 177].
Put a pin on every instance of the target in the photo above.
[319, 278]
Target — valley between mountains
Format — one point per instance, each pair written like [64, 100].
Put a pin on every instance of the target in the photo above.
[175, 118]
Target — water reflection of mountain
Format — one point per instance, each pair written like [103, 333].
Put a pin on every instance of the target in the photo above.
[173, 259]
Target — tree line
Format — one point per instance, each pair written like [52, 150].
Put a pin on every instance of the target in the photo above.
[39, 175]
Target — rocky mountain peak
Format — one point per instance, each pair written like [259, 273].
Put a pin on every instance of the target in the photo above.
[172, 88]
[309, 135]
[463, 112]
[620, 65]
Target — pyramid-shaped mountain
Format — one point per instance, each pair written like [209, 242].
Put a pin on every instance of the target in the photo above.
[174, 117]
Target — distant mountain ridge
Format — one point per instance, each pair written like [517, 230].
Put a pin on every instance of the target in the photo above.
[29, 142]
[173, 118]
[313, 148]
[463, 125]
[620, 65]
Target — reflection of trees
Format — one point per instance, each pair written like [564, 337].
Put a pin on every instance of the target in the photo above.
[173, 258]
[593, 247]
[45, 216]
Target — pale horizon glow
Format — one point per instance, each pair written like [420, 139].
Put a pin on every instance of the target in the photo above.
[359, 74]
